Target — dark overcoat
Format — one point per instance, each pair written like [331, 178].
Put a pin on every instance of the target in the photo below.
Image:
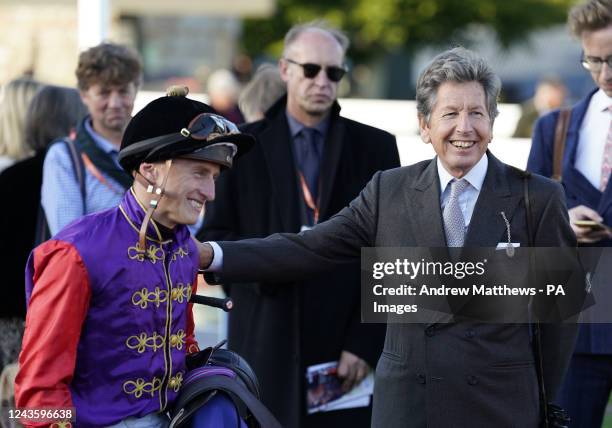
[462, 374]
[594, 339]
[20, 191]
[282, 329]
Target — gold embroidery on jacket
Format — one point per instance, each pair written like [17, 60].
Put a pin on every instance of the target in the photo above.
[163, 394]
[138, 386]
[135, 253]
[143, 341]
[143, 297]
[181, 292]
[181, 252]
[178, 340]
[153, 253]
[176, 382]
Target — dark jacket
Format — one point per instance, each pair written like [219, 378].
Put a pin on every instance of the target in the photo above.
[593, 338]
[20, 193]
[281, 329]
[462, 374]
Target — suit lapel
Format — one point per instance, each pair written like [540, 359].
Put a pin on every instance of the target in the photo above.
[606, 199]
[487, 225]
[573, 131]
[425, 197]
[331, 158]
[427, 224]
[573, 177]
[276, 145]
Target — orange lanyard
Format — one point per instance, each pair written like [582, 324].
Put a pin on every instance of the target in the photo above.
[96, 173]
[310, 203]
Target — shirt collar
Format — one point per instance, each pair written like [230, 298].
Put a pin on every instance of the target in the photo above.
[296, 126]
[475, 176]
[601, 101]
[100, 141]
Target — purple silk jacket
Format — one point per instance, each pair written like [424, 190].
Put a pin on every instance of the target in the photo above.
[130, 358]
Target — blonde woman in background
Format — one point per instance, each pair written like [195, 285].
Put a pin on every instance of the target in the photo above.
[53, 112]
[14, 100]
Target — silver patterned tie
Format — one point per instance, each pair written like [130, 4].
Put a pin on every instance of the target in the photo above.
[454, 223]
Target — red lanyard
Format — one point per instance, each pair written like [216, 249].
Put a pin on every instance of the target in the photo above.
[97, 174]
[310, 203]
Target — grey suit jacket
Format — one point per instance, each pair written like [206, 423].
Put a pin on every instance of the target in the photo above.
[440, 375]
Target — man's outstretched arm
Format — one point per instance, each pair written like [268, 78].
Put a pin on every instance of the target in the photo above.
[286, 256]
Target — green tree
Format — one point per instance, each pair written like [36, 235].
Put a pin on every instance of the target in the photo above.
[376, 27]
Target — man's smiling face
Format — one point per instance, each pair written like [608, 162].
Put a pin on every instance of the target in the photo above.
[459, 126]
[190, 185]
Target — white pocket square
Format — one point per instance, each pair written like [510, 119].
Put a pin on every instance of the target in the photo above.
[504, 245]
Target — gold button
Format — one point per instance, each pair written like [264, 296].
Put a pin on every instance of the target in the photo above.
[173, 340]
[174, 294]
[172, 383]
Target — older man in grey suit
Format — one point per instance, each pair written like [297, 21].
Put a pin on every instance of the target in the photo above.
[461, 374]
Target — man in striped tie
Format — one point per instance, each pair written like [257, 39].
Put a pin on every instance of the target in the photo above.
[438, 374]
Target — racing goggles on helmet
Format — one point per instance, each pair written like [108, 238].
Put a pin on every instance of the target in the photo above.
[208, 137]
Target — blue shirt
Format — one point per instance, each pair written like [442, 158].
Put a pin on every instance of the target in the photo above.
[60, 192]
[300, 150]
[295, 128]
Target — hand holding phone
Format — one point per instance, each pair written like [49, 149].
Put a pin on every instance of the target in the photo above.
[588, 225]
[591, 224]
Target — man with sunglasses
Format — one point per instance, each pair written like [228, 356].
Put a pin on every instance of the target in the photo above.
[308, 164]
[586, 160]
[109, 321]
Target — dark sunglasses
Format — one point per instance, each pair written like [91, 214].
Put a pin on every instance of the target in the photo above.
[207, 126]
[593, 63]
[335, 74]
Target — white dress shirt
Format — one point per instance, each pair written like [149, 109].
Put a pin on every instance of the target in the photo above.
[592, 139]
[467, 199]
[217, 262]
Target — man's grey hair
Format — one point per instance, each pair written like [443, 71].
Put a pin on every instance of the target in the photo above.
[317, 25]
[261, 93]
[458, 65]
